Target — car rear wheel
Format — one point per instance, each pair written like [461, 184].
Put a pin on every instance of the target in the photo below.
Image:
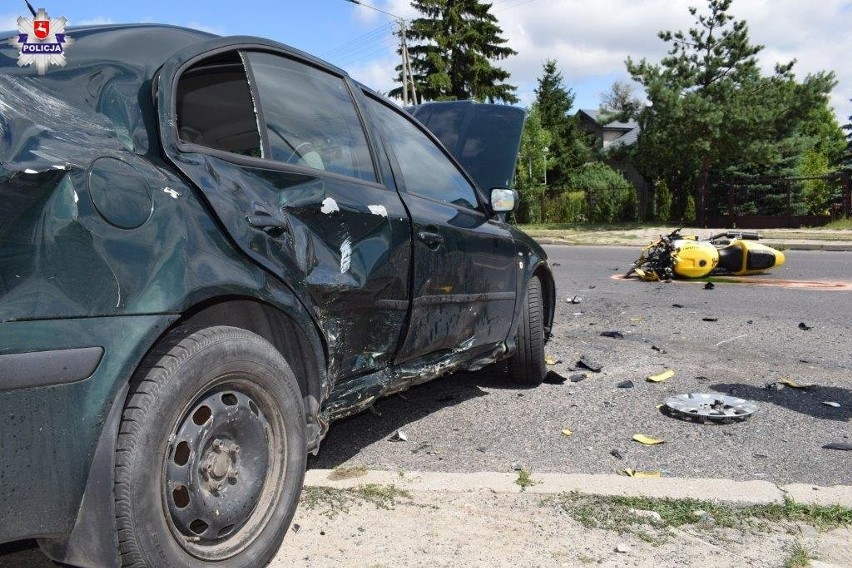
[527, 365]
[210, 456]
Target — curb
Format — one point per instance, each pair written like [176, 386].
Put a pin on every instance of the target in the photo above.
[724, 490]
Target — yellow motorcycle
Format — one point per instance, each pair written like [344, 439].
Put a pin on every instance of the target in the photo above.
[685, 256]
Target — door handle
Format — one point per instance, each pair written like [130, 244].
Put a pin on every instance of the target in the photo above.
[432, 240]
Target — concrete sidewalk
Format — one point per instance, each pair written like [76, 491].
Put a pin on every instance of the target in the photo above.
[723, 490]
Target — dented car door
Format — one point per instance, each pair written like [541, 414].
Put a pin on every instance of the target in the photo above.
[278, 147]
[465, 274]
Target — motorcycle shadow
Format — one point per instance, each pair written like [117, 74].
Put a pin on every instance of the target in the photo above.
[807, 401]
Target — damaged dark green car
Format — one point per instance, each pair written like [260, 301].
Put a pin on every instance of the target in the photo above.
[210, 249]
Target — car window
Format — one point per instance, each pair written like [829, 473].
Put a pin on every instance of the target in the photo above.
[310, 117]
[215, 107]
[426, 169]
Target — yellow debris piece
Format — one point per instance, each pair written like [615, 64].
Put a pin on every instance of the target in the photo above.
[549, 360]
[647, 440]
[794, 385]
[566, 432]
[664, 376]
[642, 474]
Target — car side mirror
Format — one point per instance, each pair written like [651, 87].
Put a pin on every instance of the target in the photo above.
[503, 200]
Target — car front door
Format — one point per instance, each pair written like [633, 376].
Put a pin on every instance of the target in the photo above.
[465, 263]
[277, 145]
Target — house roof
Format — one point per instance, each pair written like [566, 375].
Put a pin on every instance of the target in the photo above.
[629, 130]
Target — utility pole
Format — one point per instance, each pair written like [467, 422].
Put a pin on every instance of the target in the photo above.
[407, 74]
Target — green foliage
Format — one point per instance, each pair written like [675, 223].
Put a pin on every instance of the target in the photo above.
[530, 208]
[610, 197]
[846, 159]
[663, 198]
[570, 147]
[689, 215]
[817, 193]
[712, 109]
[452, 48]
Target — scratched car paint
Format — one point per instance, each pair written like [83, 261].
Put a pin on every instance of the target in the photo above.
[211, 248]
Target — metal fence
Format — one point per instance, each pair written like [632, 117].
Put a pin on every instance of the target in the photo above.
[766, 203]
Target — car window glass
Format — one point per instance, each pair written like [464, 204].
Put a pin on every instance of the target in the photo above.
[310, 117]
[426, 170]
[215, 107]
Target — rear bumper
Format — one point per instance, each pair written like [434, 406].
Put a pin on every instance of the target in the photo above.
[58, 381]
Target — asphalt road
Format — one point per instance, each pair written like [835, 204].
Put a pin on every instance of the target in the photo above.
[472, 422]
[481, 422]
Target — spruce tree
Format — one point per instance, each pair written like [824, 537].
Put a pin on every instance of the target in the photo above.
[452, 48]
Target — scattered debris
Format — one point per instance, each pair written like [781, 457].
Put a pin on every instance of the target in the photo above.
[586, 362]
[805, 327]
[702, 378]
[592, 287]
[516, 466]
[677, 305]
[831, 403]
[700, 407]
[554, 378]
[612, 334]
[794, 385]
[574, 300]
[659, 349]
[647, 440]
[629, 472]
[760, 456]
[709, 286]
[844, 446]
[709, 319]
[551, 360]
[622, 548]
[729, 340]
[625, 385]
[399, 436]
[616, 454]
[555, 264]
[576, 377]
[774, 386]
[664, 376]
[296, 528]
[566, 432]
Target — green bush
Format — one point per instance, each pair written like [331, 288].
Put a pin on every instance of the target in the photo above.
[609, 196]
[663, 199]
[565, 207]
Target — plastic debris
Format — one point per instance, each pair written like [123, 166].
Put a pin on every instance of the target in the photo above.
[664, 376]
[399, 436]
[701, 407]
[589, 364]
[658, 349]
[709, 286]
[677, 305]
[805, 327]
[616, 454]
[709, 319]
[831, 403]
[296, 528]
[550, 360]
[612, 334]
[566, 432]
[629, 472]
[576, 377]
[625, 385]
[844, 446]
[575, 300]
[794, 385]
[647, 440]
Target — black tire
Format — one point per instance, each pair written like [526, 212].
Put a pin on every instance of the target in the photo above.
[527, 365]
[213, 430]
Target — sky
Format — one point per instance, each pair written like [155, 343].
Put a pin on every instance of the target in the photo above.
[590, 39]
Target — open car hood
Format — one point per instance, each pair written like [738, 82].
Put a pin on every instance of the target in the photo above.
[484, 138]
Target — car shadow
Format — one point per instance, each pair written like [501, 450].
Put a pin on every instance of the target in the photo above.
[349, 436]
[805, 401]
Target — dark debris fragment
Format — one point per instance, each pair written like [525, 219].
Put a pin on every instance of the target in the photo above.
[843, 446]
[589, 364]
[612, 334]
[709, 286]
[805, 327]
[625, 384]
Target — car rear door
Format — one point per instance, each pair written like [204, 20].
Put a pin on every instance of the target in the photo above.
[276, 143]
[465, 264]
